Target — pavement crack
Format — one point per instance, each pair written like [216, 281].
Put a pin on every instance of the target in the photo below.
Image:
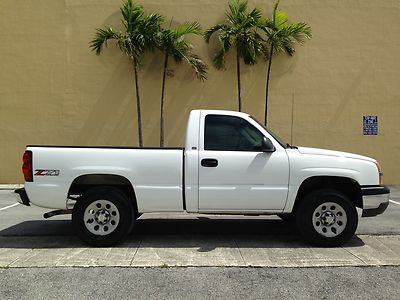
[137, 249]
[20, 257]
[356, 256]
[240, 252]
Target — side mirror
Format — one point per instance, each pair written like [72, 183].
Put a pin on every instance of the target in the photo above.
[266, 145]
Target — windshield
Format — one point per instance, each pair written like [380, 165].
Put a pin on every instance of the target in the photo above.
[277, 138]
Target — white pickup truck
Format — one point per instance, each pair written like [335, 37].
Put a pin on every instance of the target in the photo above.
[230, 165]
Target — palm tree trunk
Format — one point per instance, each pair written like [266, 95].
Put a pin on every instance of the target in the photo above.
[267, 87]
[139, 112]
[162, 102]
[238, 81]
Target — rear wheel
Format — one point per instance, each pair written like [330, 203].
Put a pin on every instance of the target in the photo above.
[327, 218]
[103, 216]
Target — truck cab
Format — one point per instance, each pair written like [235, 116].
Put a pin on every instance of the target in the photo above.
[234, 165]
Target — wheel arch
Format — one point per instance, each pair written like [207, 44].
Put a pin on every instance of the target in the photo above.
[85, 182]
[346, 185]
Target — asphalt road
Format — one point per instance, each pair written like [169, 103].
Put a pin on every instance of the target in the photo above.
[200, 283]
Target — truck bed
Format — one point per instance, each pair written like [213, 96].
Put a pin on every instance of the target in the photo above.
[155, 173]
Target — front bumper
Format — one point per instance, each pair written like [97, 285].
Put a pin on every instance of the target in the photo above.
[375, 200]
[23, 197]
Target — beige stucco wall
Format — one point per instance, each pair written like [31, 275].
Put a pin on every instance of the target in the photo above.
[53, 90]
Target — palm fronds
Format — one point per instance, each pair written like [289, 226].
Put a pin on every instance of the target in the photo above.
[173, 43]
[238, 31]
[140, 34]
[281, 36]
[101, 37]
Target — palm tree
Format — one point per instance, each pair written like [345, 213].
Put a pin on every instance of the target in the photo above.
[281, 37]
[173, 43]
[239, 31]
[140, 34]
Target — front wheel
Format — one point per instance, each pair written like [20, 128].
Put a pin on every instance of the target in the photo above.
[103, 217]
[327, 218]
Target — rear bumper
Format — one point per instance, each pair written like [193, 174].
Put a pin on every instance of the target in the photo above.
[375, 200]
[23, 197]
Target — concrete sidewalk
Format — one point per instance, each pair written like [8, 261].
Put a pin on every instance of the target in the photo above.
[183, 251]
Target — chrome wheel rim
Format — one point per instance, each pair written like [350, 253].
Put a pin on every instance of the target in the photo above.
[329, 219]
[101, 217]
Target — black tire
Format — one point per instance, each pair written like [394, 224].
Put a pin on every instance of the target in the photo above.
[287, 217]
[327, 218]
[103, 216]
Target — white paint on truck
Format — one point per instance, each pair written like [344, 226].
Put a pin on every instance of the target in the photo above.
[230, 164]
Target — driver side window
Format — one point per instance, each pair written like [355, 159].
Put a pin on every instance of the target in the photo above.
[229, 133]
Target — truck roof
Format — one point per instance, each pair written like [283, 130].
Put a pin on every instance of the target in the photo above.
[222, 112]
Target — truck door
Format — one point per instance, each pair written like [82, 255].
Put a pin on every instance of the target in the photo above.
[234, 174]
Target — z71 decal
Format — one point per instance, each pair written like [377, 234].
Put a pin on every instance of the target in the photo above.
[39, 172]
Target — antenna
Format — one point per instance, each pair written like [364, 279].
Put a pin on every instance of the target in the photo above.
[291, 129]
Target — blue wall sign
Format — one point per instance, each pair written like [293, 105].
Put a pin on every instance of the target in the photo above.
[370, 125]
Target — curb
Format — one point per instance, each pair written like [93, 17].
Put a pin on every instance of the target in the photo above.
[10, 186]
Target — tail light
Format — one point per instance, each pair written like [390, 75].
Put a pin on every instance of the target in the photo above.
[27, 166]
